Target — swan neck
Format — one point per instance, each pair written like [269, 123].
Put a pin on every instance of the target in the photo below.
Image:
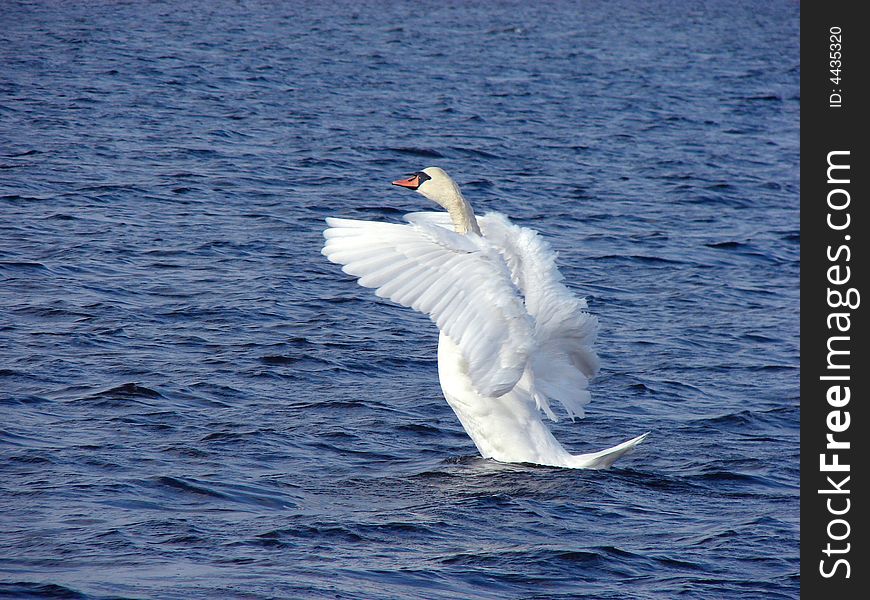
[462, 215]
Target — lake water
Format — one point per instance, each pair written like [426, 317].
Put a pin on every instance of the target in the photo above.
[194, 403]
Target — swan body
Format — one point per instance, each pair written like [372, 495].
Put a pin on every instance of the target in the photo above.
[514, 340]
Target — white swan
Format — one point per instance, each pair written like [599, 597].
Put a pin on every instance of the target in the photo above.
[513, 337]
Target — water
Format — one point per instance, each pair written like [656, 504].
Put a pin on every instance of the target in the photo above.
[195, 404]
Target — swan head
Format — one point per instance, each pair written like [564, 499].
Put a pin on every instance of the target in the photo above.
[435, 184]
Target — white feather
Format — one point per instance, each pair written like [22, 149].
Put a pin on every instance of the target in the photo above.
[504, 289]
[441, 273]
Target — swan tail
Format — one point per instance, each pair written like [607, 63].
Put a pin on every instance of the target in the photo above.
[604, 458]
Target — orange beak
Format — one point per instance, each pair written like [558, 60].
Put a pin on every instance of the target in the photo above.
[412, 182]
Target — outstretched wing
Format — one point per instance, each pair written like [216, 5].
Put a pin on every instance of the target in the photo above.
[459, 281]
[563, 361]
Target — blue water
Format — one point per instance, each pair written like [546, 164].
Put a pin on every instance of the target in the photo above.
[194, 403]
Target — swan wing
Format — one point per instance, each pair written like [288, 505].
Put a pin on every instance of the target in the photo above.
[460, 281]
[563, 361]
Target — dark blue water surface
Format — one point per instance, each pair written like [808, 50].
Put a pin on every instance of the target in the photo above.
[196, 404]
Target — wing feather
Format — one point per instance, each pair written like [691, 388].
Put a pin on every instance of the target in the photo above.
[500, 298]
[563, 361]
[461, 282]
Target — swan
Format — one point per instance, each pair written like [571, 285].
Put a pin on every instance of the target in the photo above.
[514, 340]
